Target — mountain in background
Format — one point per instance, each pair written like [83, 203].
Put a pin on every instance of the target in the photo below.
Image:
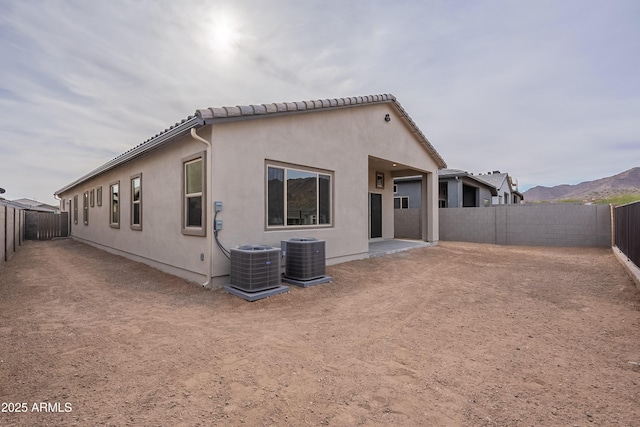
[627, 182]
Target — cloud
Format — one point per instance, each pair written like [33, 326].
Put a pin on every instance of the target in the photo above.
[544, 90]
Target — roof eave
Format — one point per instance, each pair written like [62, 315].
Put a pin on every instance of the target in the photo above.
[159, 140]
[440, 163]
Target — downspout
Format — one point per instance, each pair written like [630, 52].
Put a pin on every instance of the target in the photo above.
[209, 232]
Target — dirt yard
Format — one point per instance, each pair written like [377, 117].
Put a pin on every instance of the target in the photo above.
[457, 334]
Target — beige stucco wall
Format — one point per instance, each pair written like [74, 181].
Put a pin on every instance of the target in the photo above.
[339, 141]
[160, 242]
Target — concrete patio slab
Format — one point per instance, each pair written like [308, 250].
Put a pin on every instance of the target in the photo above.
[392, 246]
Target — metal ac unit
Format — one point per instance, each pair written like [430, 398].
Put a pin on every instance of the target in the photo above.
[305, 258]
[255, 267]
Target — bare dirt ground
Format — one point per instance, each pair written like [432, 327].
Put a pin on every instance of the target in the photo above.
[457, 334]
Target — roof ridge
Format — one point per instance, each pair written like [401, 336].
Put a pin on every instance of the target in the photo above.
[225, 112]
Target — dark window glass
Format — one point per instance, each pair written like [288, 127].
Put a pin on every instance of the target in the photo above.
[324, 199]
[75, 209]
[194, 211]
[275, 195]
[302, 197]
[136, 214]
[85, 208]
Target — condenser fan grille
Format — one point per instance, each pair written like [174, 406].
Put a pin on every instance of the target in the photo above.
[255, 268]
[305, 258]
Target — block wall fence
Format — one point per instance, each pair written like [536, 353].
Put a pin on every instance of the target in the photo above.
[529, 225]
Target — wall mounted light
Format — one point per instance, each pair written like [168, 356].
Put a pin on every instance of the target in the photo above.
[387, 118]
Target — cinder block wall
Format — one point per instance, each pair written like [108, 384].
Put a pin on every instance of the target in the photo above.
[529, 225]
[407, 224]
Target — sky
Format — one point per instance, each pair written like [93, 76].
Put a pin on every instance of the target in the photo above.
[546, 90]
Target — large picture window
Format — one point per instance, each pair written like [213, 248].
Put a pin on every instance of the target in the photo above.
[136, 202]
[114, 204]
[194, 195]
[298, 197]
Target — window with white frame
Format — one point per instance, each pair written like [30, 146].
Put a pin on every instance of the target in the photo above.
[114, 204]
[136, 202]
[194, 195]
[401, 202]
[298, 197]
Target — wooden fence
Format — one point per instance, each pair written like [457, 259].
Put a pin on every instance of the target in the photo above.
[11, 231]
[46, 226]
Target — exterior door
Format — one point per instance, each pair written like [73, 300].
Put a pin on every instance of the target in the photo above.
[375, 209]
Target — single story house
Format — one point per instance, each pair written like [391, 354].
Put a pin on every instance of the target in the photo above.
[257, 174]
[34, 205]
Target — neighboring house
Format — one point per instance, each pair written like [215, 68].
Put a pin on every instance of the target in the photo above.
[458, 188]
[31, 205]
[263, 174]
[407, 192]
[461, 189]
[506, 186]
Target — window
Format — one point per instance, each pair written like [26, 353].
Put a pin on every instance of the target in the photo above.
[85, 208]
[114, 202]
[136, 202]
[92, 197]
[194, 195]
[75, 209]
[401, 202]
[99, 196]
[395, 188]
[297, 197]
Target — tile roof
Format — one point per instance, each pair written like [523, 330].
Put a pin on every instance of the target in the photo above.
[219, 114]
[213, 115]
